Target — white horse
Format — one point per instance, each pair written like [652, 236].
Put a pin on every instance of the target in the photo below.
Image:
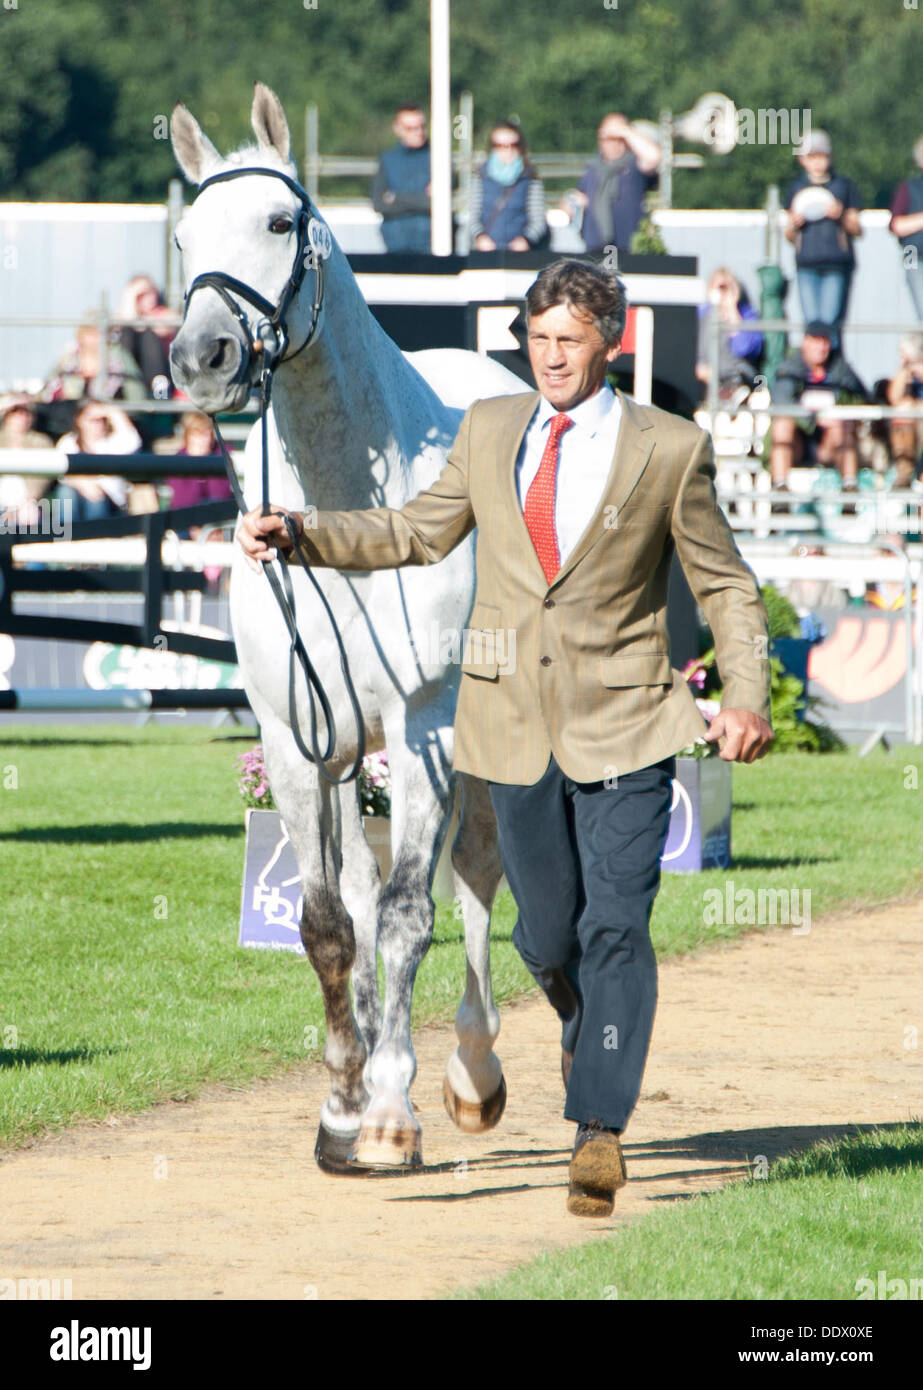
[353, 423]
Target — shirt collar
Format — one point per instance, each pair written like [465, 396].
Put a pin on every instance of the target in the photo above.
[592, 415]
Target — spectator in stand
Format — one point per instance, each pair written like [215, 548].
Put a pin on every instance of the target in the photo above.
[823, 221]
[150, 347]
[508, 210]
[401, 187]
[907, 225]
[906, 389]
[99, 428]
[815, 375]
[890, 594]
[73, 377]
[198, 442]
[18, 493]
[610, 194]
[740, 351]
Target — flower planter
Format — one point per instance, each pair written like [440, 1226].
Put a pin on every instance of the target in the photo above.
[700, 821]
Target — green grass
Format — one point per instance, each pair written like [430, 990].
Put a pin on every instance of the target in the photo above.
[820, 1222]
[107, 1004]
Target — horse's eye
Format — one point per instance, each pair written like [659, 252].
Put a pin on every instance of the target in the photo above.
[280, 225]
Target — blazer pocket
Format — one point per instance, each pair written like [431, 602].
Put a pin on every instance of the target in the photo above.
[479, 642]
[641, 668]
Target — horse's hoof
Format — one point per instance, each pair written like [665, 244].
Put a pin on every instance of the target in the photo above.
[473, 1117]
[331, 1153]
[384, 1145]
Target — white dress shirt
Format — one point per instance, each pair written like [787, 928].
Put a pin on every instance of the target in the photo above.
[585, 455]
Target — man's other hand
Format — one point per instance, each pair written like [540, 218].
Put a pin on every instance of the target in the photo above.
[263, 536]
[746, 736]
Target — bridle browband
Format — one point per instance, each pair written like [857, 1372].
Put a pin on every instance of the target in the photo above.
[272, 353]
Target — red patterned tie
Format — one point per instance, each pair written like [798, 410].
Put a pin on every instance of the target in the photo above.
[539, 508]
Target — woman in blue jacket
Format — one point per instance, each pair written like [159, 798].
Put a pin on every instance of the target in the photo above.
[507, 197]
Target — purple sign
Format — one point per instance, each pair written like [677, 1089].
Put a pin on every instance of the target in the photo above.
[270, 904]
[270, 908]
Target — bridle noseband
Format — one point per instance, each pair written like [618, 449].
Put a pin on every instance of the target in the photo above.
[268, 341]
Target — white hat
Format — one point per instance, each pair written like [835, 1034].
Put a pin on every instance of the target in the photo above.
[815, 142]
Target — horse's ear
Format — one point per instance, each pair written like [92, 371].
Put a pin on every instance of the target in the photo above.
[194, 151]
[268, 120]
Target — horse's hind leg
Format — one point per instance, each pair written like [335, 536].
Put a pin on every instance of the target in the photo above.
[474, 1089]
[312, 818]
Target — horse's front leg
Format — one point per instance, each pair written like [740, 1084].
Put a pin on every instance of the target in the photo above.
[360, 887]
[474, 1089]
[390, 1135]
[310, 811]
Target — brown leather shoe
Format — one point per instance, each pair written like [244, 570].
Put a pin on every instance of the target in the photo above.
[597, 1170]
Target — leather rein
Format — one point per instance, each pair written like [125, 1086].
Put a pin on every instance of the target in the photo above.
[268, 341]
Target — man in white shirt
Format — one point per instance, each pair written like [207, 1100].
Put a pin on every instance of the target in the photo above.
[577, 743]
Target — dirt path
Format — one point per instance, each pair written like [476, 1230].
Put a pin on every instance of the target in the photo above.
[759, 1047]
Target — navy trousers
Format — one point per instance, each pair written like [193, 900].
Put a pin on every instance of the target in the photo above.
[583, 863]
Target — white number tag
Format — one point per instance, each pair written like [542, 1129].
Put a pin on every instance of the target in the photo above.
[320, 239]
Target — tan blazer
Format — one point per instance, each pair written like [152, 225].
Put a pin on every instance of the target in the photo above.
[580, 667]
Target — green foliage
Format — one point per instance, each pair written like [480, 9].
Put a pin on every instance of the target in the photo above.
[783, 620]
[82, 84]
[647, 240]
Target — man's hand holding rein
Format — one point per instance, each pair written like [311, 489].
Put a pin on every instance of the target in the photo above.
[262, 537]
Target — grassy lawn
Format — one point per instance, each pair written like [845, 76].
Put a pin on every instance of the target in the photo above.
[121, 982]
[817, 1225]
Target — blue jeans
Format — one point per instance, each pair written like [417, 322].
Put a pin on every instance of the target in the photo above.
[411, 233]
[83, 510]
[823, 296]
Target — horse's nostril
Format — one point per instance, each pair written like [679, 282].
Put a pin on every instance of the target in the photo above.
[217, 359]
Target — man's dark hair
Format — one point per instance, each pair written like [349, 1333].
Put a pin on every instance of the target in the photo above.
[588, 289]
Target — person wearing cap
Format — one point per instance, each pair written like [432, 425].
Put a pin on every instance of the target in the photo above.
[822, 230]
[815, 375]
[907, 225]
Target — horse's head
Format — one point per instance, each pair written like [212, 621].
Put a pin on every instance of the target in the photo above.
[245, 245]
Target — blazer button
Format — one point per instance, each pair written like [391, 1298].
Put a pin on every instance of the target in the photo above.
[546, 660]
[549, 602]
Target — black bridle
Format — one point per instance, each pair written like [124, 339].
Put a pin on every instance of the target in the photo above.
[268, 342]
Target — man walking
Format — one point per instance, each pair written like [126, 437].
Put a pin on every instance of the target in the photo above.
[580, 497]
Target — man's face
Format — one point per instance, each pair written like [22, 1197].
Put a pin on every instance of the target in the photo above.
[816, 165]
[410, 129]
[568, 356]
[611, 144]
[815, 351]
